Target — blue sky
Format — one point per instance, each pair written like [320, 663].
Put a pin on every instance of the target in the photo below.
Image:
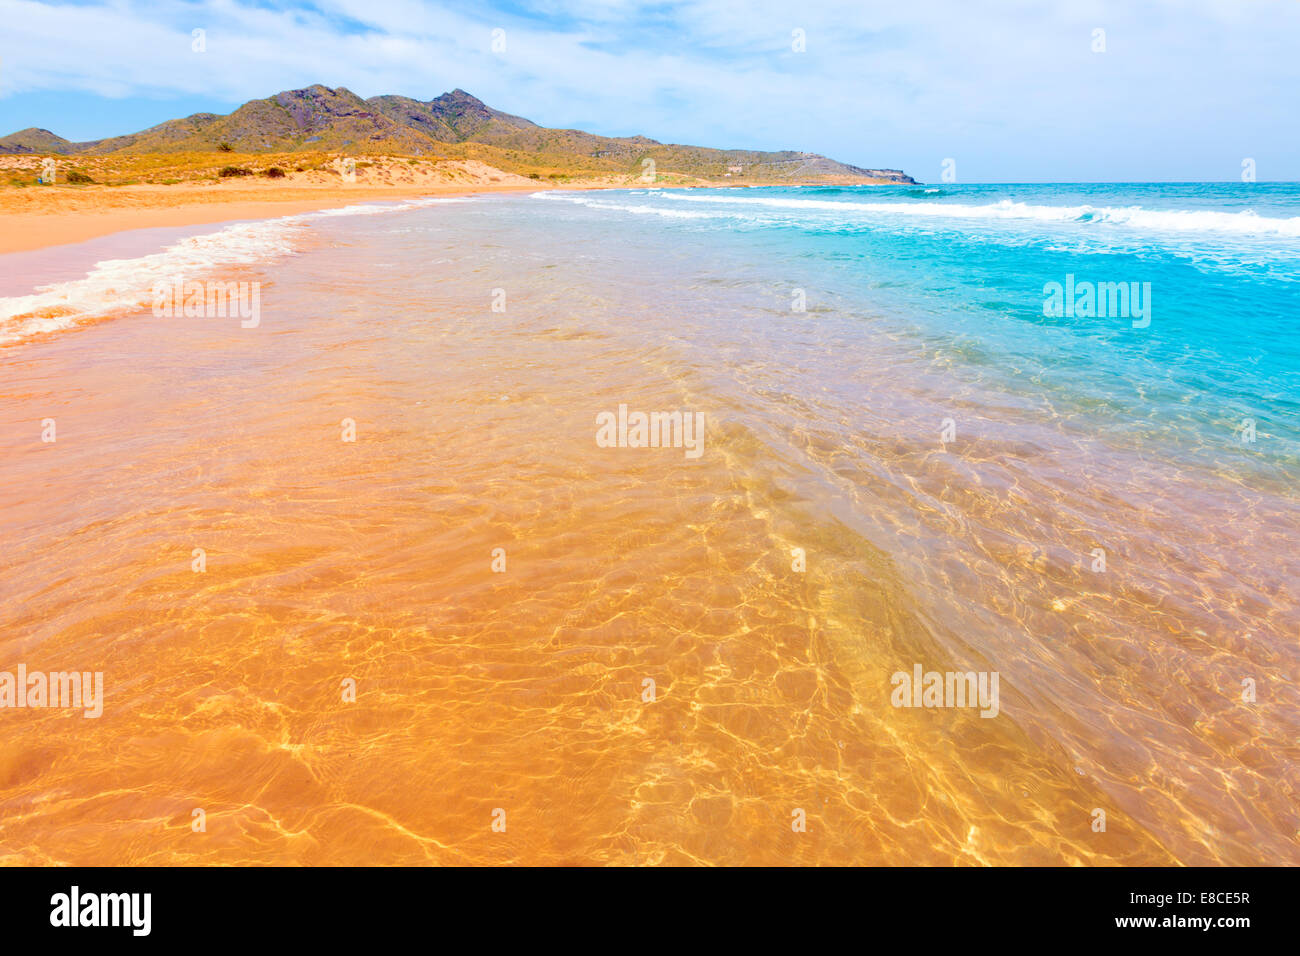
[1010, 90]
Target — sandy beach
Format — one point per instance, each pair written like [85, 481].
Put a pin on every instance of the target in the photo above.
[691, 434]
[37, 217]
[393, 481]
[41, 216]
[376, 471]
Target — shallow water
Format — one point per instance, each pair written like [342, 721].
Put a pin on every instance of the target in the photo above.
[523, 690]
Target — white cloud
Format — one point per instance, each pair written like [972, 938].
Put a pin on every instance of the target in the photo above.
[1008, 85]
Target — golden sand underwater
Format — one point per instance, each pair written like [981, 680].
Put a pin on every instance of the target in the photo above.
[475, 635]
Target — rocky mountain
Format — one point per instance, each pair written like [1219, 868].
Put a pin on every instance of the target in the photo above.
[453, 125]
[33, 140]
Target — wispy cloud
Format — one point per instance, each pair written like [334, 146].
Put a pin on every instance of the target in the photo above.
[1011, 89]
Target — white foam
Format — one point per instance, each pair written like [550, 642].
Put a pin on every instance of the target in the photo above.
[371, 209]
[1247, 223]
[637, 209]
[118, 286]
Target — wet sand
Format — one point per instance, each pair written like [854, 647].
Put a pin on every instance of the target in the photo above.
[521, 686]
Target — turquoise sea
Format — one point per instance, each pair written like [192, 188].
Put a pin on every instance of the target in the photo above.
[961, 270]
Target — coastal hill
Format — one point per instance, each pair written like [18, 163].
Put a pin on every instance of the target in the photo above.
[453, 126]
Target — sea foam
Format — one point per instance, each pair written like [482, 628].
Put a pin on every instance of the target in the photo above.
[1245, 223]
[120, 286]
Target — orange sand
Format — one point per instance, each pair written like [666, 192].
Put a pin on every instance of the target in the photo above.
[36, 217]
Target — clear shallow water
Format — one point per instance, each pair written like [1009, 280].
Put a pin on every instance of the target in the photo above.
[963, 268]
[1121, 689]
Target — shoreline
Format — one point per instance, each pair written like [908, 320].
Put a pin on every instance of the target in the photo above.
[71, 216]
[83, 219]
